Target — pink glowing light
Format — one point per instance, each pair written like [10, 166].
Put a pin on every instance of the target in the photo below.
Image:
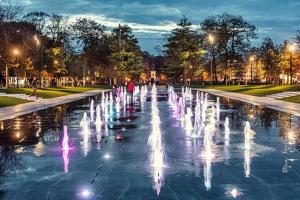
[66, 148]
[65, 142]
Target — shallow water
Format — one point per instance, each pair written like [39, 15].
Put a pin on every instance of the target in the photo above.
[32, 164]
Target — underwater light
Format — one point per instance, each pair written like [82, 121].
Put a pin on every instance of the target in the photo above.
[107, 156]
[234, 193]
[85, 193]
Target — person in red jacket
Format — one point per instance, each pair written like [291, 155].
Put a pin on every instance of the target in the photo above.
[130, 87]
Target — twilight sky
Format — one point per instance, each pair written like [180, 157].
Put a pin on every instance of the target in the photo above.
[280, 19]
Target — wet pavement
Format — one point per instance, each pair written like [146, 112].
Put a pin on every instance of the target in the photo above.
[33, 165]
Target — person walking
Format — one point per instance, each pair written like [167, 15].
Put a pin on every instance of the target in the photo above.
[130, 87]
[1, 81]
[34, 85]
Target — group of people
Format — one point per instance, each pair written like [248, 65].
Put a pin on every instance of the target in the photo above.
[130, 89]
[131, 86]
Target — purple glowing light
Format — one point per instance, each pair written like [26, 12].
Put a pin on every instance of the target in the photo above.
[65, 142]
[66, 148]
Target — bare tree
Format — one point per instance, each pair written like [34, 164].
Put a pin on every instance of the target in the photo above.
[39, 19]
[10, 10]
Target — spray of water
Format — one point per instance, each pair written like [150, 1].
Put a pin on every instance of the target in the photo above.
[156, 144]
[66, 148]
[247, 147]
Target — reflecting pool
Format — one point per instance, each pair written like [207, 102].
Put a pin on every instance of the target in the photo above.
[157, 144]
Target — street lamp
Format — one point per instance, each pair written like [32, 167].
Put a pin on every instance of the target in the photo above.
[251, 68]
[191, 73]
[16, 54]
[211, 41]
[36, 40]
[291, 49]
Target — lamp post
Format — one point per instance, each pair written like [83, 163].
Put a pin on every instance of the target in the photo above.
[211, 41]
[251, 68]
[38, 56]
[191, 73]
[291, 50]
[16, 54]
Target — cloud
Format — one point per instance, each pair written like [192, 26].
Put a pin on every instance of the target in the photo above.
[151, 18]
[163, 27]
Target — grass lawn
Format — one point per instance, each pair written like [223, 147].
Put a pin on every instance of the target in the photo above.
[256, 90]
[294, 99]
[11, 101]
[48, 93]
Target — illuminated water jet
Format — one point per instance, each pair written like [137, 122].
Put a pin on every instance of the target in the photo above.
[92, 110]
[66, 148]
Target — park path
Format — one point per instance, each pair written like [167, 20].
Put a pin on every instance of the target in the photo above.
[21, 109]
[284, 94]
[20, 96]
[293, 108]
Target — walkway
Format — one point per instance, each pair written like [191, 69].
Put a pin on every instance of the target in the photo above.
[21, 109]
[284, 106]
[20, 96]
[284, 94]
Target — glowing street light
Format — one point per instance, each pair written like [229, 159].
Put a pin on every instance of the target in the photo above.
[211, 38]
[16, 54]
[211, 41]
[291, 49]
[36, 40]
[251, 68]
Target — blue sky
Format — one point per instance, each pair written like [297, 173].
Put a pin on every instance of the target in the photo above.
[279, 19]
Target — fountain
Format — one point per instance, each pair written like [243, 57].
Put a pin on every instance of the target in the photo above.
[226, 139]
[208, 156]
[103, 100]
[247, 134]
[227, 131]
[111, 99]
[212, 119]
[111, 104]
[98, 121]
[106, 113]
[218, 108]
[155, 142]
[92, 110]
[247, 145]
[197, 121]
[65, 148]
[143, 96]
[181, 109]
[84, 124]
[188, 121]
